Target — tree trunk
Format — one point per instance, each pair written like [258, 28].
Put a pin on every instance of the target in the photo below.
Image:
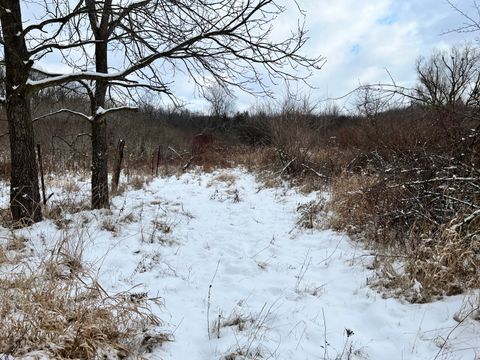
[99, 164]
[99, 135]
[24, 190]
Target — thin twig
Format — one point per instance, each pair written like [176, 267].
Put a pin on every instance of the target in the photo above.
[453, 329]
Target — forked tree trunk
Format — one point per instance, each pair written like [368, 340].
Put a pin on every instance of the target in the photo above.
[24, 190]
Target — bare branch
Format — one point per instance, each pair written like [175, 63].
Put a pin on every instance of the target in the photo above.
[64, 111]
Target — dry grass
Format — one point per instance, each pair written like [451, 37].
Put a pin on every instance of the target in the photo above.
[66, 196]
[56, 307]
[309, 214]
[56, 210]
[3, 256]
[226, 178]
[223, 156]
[254, 329]
[351, 203]
[60, 309]
[138, 182]
[110, 225]
[236, 320]
[255, 158]
[450, 267]
[70, 186]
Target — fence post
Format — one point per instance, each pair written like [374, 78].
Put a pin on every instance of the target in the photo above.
[117, 168]
[42, 178]
[158, 158]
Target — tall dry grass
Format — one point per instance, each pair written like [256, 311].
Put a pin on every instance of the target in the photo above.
[56, 307]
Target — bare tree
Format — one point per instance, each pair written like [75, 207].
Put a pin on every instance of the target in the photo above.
[104, 18]
[448, 82]
[370, 103]
[450, 78]
[220, 99]
[228, 41]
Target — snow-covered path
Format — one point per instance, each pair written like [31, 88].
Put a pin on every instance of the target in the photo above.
[218, 246]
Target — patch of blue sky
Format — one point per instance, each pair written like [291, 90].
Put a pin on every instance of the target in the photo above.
[387, 20]
[355, 49]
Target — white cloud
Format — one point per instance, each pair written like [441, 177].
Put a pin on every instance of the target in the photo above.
[366, 41]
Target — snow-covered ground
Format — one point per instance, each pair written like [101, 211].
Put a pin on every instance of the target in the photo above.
[221, 249]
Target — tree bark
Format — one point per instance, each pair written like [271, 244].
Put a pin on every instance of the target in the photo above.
[24, 189]
[99, 23]
[100, 198]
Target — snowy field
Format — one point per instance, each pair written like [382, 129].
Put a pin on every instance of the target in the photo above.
[240, 279]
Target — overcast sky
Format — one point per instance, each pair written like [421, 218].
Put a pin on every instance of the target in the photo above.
[362, 38]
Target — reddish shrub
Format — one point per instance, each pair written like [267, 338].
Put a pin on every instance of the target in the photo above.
[201, 142]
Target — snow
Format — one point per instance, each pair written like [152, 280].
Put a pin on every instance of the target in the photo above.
[220, 245]
[84, 75]
[76, 113]
[101, 111]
